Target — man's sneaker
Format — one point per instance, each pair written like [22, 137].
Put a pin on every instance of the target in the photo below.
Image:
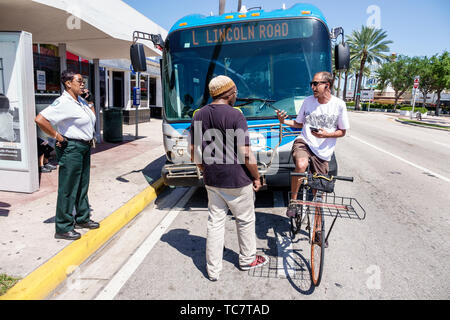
[44, 169]
[260, 260]
[291, 212]
[50, 166]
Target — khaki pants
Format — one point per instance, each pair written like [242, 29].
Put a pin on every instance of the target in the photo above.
[241, 202]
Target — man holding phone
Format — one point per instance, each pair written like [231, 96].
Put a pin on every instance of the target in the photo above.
[323, 118]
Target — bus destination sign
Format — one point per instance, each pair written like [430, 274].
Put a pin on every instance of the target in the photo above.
[247, 32]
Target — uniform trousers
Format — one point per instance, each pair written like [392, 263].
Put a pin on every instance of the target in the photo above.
[241, 202]
[73, 184]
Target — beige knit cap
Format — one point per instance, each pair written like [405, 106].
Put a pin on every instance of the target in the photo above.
[219, 85]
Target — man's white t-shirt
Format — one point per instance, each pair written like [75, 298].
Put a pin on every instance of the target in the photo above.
[73, 119]
[330, 117]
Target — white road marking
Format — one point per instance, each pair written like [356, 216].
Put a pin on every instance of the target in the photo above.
[442, 144]
[404, 160]
[284, 243]
[122, 276]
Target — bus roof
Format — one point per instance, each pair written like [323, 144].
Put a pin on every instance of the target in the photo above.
[297, 10]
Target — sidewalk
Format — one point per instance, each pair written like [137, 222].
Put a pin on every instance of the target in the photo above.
[119, 171]
[441, 122]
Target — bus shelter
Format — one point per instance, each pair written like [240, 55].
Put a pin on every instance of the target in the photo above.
[95, 30]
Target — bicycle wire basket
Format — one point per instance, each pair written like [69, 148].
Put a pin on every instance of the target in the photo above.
[332, 205]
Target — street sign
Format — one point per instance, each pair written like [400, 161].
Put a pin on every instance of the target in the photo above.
[367, 95]
[416, 82]
[136, 96]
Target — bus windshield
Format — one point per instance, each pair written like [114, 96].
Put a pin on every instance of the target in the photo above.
[271, 60]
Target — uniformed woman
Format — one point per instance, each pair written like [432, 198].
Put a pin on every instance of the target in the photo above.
[74, 120]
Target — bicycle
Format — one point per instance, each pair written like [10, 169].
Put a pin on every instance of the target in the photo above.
[318, 204]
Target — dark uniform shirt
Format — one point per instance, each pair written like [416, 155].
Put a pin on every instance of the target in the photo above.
[222, 128]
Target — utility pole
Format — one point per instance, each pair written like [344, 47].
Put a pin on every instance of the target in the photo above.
[138, 100]
[222, 6]
[415, 87]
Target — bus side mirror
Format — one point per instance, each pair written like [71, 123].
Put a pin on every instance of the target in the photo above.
[158, 41]
[137, 55]
[341, 56]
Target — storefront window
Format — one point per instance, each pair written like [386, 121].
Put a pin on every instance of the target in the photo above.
[46, 73]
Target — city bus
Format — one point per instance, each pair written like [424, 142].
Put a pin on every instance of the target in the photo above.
[271, 56]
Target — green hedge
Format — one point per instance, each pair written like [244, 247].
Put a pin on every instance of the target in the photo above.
[376, 105]
[409, 108]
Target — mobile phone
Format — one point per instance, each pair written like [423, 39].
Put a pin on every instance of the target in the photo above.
[314, 129]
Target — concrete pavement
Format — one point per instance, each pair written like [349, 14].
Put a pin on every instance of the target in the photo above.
[124, 179]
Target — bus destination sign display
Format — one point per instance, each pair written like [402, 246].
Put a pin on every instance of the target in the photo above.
[247, 32]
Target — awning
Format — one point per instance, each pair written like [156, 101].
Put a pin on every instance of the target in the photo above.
[93, 29]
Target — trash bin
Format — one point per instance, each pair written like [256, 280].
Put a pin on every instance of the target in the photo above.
[112, 124]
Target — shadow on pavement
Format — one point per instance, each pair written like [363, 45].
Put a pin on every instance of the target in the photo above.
[151, 172]
[295, 266]
[105, 145]
[194, 247]
[4, 212]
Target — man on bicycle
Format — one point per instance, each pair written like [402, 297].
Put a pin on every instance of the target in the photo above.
[323, 118]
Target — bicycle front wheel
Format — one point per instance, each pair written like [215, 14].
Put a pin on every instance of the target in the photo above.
[317, 246]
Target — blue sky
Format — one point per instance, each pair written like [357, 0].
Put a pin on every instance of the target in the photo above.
[416, 27]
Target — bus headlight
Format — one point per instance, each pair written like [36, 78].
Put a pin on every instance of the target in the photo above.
[180, 147]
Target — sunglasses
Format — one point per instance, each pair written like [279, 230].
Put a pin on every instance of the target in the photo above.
[316, 83]
[80, 81]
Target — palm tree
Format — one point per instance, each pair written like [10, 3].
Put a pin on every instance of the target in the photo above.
[367, 46]
[353, 72]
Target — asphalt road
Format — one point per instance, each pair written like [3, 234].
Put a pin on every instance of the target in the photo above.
[399, 251]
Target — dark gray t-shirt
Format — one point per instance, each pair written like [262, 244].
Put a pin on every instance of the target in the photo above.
[220, 129]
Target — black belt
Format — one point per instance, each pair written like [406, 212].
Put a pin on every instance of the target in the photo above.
[88, 142]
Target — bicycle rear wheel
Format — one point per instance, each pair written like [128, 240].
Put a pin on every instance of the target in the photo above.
[317, 246]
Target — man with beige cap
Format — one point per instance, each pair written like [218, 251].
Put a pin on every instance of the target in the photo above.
[221, 133]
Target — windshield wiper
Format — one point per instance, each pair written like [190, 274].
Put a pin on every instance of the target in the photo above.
[266, 102]
[250, 100]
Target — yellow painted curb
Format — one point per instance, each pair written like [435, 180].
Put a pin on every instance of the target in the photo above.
[42, 281]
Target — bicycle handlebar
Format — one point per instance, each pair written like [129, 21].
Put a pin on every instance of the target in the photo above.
[304, 174]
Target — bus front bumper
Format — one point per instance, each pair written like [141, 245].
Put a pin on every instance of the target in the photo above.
[182, 175]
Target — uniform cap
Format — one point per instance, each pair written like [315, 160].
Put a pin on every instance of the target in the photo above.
[219, 85]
